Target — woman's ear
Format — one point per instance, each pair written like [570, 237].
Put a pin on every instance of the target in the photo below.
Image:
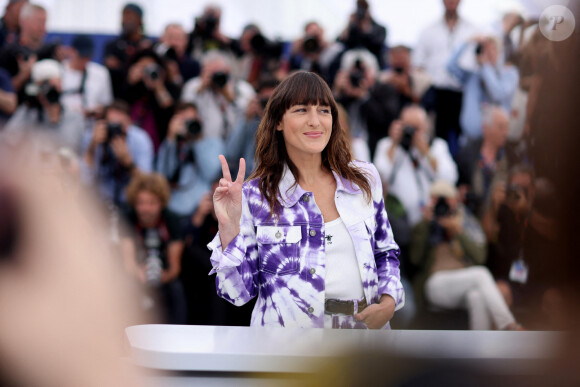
[279, 127]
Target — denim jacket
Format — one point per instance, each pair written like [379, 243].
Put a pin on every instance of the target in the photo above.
[282, 261]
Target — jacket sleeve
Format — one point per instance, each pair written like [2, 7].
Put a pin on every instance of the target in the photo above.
[500, 86]
[386, 249]
[236, 266]
[453, 66]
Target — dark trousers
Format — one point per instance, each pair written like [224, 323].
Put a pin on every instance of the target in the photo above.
[447, 106]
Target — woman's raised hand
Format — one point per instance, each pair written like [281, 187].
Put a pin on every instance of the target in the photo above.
[227, 201]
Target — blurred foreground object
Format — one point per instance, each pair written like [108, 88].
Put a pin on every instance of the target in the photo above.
[61, 295]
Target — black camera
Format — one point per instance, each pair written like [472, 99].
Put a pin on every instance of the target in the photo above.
[152, 71]
[479, 49]
[167, 52]
[407, 138]
[399, 70]
[515, 192]
[265, 48]
[357, 74]
[114, 129]
[192, 129]
[211, 23]
[49, 92]
[441, 208]
[311, 44]
[219, 79]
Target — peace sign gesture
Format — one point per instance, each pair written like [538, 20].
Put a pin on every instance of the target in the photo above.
[227, 202]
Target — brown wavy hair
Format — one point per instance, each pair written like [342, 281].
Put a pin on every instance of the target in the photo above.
[152, 182]
[300, 88]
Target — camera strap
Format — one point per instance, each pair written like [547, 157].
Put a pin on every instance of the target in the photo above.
[80, 90]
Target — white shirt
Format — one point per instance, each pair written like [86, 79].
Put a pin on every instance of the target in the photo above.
[435, 46]
[217, 114]
[409, 184]
[343, 280]
[97, 90]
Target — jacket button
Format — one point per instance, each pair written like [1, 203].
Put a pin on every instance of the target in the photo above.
[311, 310]
[312, 271]
[312, 233]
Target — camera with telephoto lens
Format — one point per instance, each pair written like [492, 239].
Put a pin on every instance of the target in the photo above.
[114, 129]
[152, 72]
[311, 44]
[407, 138]
[441, 208]
[219, 79]
[153, 263]
[165, 51]
[49, 92]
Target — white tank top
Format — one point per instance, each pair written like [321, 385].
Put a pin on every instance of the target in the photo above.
[343, 279]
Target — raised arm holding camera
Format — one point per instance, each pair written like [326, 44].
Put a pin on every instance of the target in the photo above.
[409, 160]
[221, 100]
[188, 160]
[115, 150]
[449, 248]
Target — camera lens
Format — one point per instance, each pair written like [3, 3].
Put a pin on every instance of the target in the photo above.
[407, 139]
[220, 79]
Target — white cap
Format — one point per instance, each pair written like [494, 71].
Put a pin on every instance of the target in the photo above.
[46, 69]
[443, 188]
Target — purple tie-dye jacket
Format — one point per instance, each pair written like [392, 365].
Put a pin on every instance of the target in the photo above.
[283, 262]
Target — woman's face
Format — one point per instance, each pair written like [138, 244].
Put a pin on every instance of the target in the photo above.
[306, 129]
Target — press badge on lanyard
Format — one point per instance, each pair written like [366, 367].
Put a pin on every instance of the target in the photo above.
[519, 271]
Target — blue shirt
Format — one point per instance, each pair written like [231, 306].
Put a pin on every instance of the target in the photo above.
[110, 178]
[200, 166]
[487, 84]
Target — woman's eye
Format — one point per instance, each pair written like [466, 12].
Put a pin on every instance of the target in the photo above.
[325, 110]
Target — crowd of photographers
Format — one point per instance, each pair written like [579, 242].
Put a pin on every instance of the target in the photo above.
[447, 124]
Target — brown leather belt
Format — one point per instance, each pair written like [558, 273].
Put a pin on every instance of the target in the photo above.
[333, 306]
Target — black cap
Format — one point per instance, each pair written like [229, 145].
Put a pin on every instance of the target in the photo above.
[84, 45]
[133, 8]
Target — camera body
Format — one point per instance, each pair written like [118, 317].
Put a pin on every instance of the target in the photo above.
[479, 49]
[407, 138]
[442, 208]
[311, 45]
[219, 79]
[515, 192]
[192, 130]
[357, 74]
[114, 129]
[152, 72]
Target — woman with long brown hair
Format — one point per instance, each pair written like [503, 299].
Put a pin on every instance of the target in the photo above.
[307, 232]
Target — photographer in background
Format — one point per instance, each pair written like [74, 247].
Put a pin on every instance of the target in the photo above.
[150, 94]
[482, 162]
[312, 53]
[188, 160]
[449, 247]
[410, 160]
[87, 86]
[172, 48]
[409, 82]
[364, 32]
[221, 100]
[114, 151]
[523, 234]
[153, 245]
[119, 51]
[241, 143]
[9, 23]
[492, 82]
[206, 35]
[370, 104]
[42, 113]
[19, 57]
